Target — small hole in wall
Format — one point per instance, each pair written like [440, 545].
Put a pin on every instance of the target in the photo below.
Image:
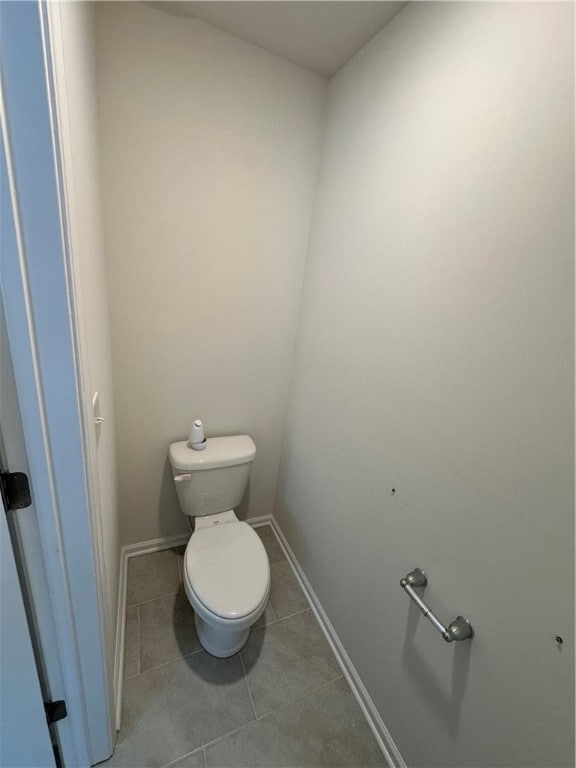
[393, 491]
[559, 639]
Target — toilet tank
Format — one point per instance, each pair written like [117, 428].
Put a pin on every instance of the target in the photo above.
[215, 479]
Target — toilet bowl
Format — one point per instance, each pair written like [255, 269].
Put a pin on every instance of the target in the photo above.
[226, 572]
[227, 581]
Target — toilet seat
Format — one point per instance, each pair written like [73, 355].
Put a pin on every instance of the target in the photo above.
[226, 572]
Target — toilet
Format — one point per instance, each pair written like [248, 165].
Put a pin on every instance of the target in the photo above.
[226, 572]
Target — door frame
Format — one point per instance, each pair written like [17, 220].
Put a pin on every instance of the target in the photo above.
[35, 280]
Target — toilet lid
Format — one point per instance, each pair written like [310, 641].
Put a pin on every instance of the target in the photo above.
[227, 567]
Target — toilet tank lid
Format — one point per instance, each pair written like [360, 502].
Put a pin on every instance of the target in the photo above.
[219, 452]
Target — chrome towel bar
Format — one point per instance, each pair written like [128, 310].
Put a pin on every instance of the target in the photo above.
[459, 629]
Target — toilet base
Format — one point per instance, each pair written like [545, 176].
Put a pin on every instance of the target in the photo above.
[217, 641]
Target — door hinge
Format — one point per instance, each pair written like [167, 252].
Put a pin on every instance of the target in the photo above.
[15, 490]
[55, 710]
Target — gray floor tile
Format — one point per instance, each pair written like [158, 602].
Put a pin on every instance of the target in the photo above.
[267, 617]
[325, 728]
[152, 575]
[166, 630]
[131, 642]
[271, 543]
[286, 660]
[286, 597]
[190, 761]
[174, 709]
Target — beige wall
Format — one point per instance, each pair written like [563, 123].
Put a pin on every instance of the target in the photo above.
[73, 47]
[435, 358]
[209, 152]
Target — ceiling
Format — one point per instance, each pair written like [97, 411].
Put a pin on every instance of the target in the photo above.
[321, 36]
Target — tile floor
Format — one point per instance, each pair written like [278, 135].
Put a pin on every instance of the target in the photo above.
[281, 701]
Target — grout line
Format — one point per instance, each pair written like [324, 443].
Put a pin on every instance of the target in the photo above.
[248, 686]
[242, 727]
[171, 661]
[151, 599]
[138, 635]
[290, 615]
[200, 650]
[167, 594]
[245, 725]
[218, 739]
[188, 754]
[277, 621]
[300, 698]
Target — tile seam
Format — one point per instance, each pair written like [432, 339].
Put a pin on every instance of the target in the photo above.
[167, 594]
[164, 663]
[151, 599]
[218, 739]
[299, 698]
[186, 754]
[224, 736]
[139, 636]
[199, 650]
[247, 685]
[277, 621]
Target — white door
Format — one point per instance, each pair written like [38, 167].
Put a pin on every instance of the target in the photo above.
[26, 543]
[40, 329]
[24, 735]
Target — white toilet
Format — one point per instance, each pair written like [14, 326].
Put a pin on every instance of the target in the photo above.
[226, 570]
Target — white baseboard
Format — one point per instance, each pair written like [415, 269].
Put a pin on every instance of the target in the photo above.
[155, 545]
[258, 522]
[119, 645]
[373, 718]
